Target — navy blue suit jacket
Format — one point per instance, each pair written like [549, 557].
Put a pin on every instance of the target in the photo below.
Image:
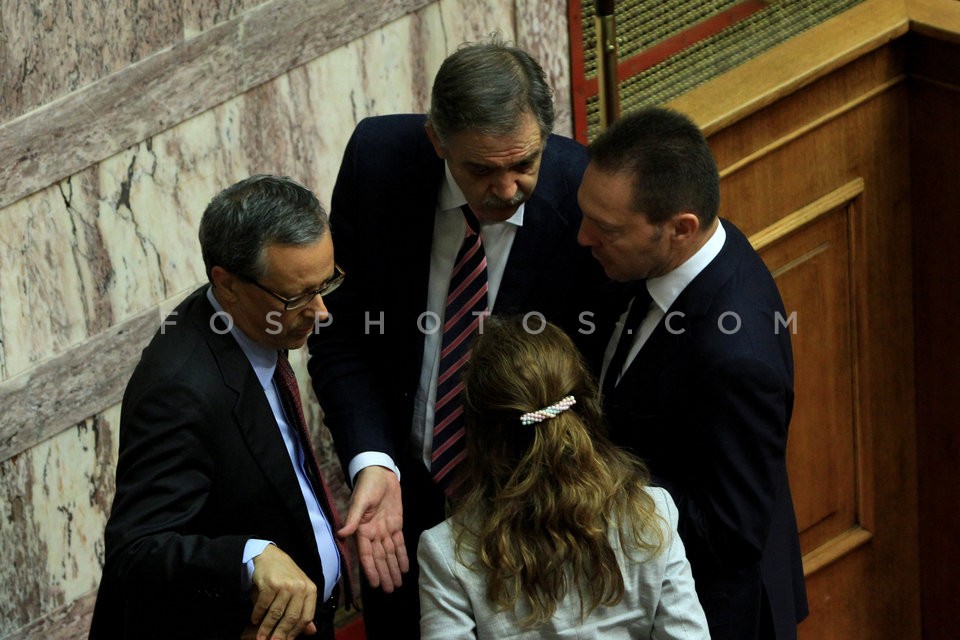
[706, 404]
[382, 217]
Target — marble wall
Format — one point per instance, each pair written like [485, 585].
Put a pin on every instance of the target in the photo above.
[120, 120]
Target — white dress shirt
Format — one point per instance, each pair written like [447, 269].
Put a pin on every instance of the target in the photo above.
[664, 290]
[448, 231]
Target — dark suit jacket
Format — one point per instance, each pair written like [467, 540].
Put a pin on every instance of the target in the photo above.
[202, 469]
[382, 216]
[708, 412]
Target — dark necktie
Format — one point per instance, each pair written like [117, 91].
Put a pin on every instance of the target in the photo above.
[466, 300]
[289, 391]
[638, 311]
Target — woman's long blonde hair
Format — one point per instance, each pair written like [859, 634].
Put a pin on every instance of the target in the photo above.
[537, 501]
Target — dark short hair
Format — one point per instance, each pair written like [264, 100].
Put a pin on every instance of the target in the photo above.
[486, 87]
[670, 160]
[261, 210]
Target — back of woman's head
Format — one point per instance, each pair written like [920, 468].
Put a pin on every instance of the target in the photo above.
[520, 366]
[544, 485]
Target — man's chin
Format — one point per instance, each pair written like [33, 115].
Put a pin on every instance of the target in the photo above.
[606, 268]
[616, 276]
[296, 340]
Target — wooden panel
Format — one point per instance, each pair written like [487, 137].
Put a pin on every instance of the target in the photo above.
[812, 268]
[820, 178]
[797, 123]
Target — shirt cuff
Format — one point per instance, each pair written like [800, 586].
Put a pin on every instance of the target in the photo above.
[370, 459]
[251, 550]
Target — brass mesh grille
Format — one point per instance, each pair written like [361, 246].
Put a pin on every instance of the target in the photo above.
[643, 23]
[703, 60]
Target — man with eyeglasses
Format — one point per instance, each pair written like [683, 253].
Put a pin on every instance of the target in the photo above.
[221, 525]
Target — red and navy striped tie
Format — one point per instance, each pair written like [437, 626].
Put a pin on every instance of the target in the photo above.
[466, 303]
[289, 392]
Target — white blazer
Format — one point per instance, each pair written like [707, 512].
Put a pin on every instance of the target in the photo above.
[659, 600]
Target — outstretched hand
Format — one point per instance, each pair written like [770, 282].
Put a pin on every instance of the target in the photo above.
[376, 516]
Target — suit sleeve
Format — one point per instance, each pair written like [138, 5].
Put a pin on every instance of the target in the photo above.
[164, 477]
[727, 504]
[679, 615]
[445, 609]
[353, 406]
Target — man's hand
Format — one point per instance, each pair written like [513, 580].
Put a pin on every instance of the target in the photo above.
[285, 599]
[376, 516]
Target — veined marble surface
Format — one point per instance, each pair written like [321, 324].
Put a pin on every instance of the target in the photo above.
[52, 48]
[93, 253]
[55, 500]
[120, 237]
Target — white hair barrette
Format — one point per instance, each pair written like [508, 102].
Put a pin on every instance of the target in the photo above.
[548, 412]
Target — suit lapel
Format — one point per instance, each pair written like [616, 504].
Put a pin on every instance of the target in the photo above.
[416, 232]
[539, 236]
[692, 303]
[410, 273]
[252, 414]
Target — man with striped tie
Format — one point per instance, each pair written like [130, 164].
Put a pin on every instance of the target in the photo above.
[438, 221]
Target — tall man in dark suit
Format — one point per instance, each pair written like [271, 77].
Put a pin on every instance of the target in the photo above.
[220, 524]
[698, 374]
[399, 220]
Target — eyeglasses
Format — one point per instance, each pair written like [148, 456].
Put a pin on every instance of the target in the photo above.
[289, 304]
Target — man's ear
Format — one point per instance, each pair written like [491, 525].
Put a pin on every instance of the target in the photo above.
[683, 227]
[225, 284]
[435, 141]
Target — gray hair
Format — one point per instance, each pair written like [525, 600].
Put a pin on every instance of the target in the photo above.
[244, 218]
[486, 88]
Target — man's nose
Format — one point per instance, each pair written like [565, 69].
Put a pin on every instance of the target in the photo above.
[584, 237]
[505, 187]
[317, 308]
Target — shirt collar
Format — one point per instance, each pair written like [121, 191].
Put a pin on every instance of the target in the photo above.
[262, 359]
[452, 198]
[667, 288]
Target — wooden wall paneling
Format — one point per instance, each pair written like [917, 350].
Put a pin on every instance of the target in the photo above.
[815, 106]
[830, 156]
[935, 169]
[810, 256]
[911, 190]
[812, 268]
[938, 19]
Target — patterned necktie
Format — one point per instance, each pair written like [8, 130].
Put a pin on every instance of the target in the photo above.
[638, 311]
[289, 391]
[466, 303]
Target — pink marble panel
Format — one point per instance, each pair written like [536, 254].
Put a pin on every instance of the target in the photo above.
[54, 502]
[70, 622]
[50, 48]
[307, 31]
[67, 389]
[200, 15]
[543, 30]
[116, 112]
[120, 171]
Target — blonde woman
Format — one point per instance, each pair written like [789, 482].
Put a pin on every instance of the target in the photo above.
[556, 533]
